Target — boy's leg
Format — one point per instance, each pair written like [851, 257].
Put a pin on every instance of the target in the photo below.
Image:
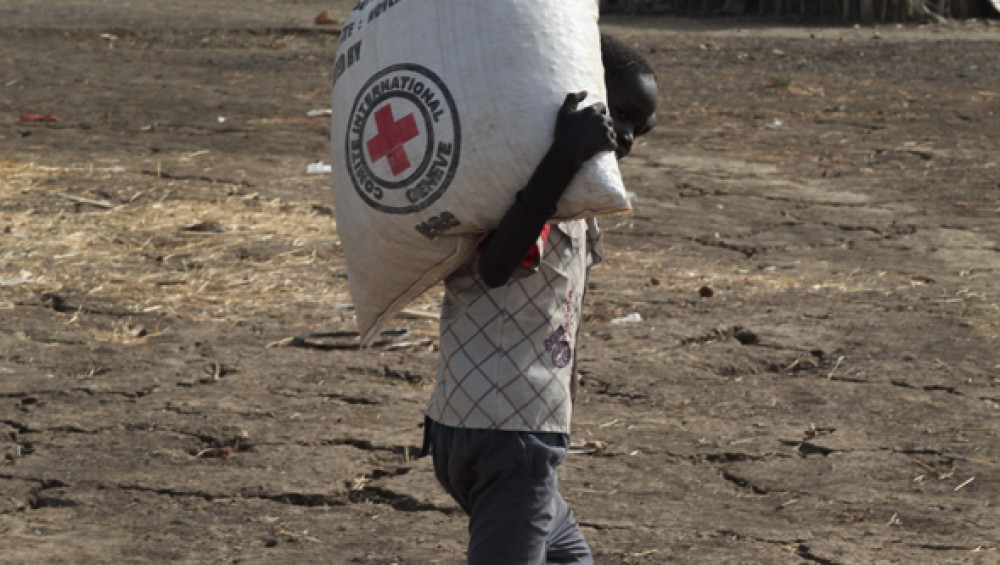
[506, 482]
[566, 541]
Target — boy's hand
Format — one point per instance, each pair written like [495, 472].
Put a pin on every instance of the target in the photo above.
[582, 134]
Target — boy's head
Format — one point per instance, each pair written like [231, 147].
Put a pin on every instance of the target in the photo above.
[632, 92]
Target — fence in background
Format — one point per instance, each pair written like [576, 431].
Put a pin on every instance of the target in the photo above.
[866, 11]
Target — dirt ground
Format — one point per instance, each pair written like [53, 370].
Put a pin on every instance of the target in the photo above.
[177, 382]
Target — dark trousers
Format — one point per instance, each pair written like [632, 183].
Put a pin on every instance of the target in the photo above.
[506, 482]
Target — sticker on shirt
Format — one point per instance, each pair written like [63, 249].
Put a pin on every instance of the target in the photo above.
[559, 347]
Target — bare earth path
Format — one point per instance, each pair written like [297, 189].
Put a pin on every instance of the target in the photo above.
[835, 400]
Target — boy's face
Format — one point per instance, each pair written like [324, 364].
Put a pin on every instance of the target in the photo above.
[632, 104]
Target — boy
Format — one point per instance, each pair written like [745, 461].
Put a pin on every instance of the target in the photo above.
[499, 417]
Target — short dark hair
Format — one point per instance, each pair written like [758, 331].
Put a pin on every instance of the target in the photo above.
[621, 60]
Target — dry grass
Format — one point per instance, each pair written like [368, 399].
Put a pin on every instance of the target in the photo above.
[188, 250]
[195, 256]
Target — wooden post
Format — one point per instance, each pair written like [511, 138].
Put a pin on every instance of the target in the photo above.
[866, 11]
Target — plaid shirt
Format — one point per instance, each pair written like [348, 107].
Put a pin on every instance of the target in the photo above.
[507, 353]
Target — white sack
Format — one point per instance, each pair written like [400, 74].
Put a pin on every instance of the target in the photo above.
[441, 111]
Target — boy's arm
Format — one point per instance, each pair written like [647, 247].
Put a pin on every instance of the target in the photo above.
[580, 135]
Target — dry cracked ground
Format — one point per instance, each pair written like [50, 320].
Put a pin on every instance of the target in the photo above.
[813, 258]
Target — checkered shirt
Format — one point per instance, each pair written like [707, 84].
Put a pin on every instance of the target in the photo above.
[507, 353]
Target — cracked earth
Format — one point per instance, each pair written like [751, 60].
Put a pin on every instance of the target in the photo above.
[814, 376]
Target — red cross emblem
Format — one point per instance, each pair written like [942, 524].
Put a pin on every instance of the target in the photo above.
[391, 137]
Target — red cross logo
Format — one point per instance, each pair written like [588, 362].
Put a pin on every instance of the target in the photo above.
[391, 137]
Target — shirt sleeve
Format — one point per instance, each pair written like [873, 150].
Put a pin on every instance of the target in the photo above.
[594, 241]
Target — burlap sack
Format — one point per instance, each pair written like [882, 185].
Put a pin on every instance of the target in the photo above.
[442, 109]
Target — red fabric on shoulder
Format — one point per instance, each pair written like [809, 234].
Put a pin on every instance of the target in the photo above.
[534, 256]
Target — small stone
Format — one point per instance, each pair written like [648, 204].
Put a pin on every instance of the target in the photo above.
[136, 331]
[706, 292]
[745, 336]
